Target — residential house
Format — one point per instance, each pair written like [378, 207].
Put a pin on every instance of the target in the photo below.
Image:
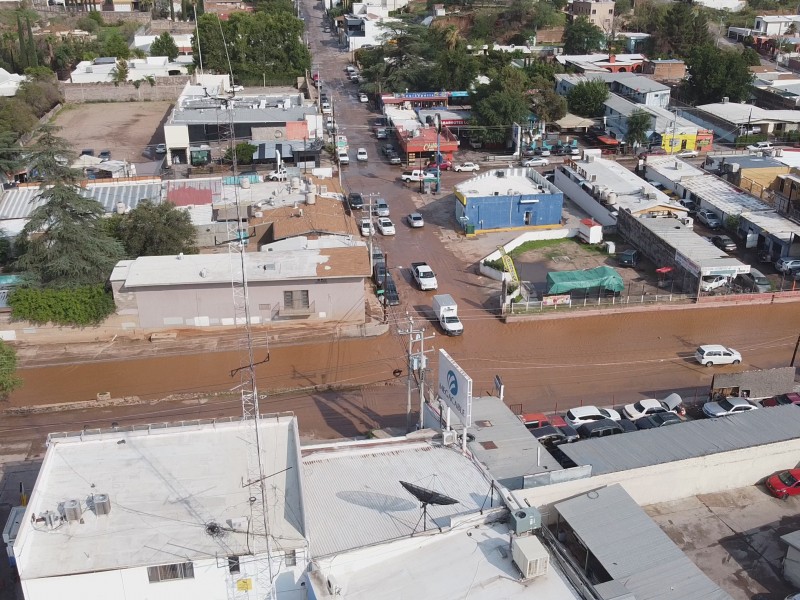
[182, 40]
[666, 130]
[729, 120]
[636, 88]
[599, 63]
[775, 25]
[366, 25]
[752, 173]
[518, 198]
[103, 70]
[323, 285]
[9, 83]
[664, 69]
[598, 13]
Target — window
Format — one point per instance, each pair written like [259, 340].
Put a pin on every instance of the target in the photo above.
[594, 12]
[170, 572]
[291, 558]
[296, 299]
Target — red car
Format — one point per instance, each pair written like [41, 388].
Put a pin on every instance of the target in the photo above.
[443, 166]
[534, 420]
[784, 484]
[782, 399]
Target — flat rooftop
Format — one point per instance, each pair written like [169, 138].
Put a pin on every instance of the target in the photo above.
[516, 181]
[693, 246]
[636, 82]
[473, 560]
[166, 486]
[354, 498]
[672, 168]
[214, 269]
[774, 224]
[505, 446]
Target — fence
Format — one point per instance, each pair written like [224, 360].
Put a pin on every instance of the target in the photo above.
[601, 301]
[165, 89]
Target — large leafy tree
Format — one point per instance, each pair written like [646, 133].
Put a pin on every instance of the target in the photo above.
[548, 105]
[682, 28]
[714, 73]
[497, 106]
[586, 99]
[9, 381]
[154, 229]
[63, 245]
[115, 45]
[637, 126]
[583, 37]
[164, 45]
[9, 152]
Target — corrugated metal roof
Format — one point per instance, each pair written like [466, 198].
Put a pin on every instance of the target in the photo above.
[19, 203]
[633, 549]
[353, 497]
[692, 439]
[514, 452]
[184, 192]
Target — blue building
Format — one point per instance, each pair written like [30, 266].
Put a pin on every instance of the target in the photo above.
[515, 198]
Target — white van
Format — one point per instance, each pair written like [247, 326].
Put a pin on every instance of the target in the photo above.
[344, 158]
[326, 107]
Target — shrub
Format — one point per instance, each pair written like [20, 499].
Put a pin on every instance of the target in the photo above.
[87, 305]
[497, 265]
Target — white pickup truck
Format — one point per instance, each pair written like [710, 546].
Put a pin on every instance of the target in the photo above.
[424, 276]
[416, 175]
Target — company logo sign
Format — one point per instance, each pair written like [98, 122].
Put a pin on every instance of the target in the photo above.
[455, 388]
[452, 383]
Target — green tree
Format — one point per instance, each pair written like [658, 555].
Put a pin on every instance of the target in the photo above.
[682, 28]
[586, 99]
[548, 105]
[9, 153]
[164, 45]
[244, 153]
[496, 107]
[115, 45]
[33, 58]
[9, 380]
[637, 126]
[50, 157]
[154, 230]
[119, 74]
[23, 46]
[714, 73]
[583, 37]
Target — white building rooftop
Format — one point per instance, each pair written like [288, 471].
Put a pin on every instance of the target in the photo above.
[354, 498]
[473, 560]
[775, 224]
[175, 494]
[672, 168]
[745, 114]
[402, 117]
[517, 181]
[10, 82]
[210, 269]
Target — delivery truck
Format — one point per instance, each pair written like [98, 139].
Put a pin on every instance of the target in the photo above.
[446, 311]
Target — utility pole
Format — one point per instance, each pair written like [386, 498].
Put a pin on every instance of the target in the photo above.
[794, 354]
[416, 362]
[370, 196]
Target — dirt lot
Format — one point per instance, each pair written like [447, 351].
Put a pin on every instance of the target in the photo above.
[129, 129]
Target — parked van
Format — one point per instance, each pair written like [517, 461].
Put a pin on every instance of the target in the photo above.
[601, 428]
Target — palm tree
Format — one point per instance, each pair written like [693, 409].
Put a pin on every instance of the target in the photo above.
[452, 37]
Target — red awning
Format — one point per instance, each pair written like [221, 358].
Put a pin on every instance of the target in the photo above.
[607, 140]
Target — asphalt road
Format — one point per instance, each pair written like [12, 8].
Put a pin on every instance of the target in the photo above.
[545, 365]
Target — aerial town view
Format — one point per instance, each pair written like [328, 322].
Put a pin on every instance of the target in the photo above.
[392, 299]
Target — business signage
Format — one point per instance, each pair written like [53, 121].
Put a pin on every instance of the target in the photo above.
[687, 263]
[455, 388]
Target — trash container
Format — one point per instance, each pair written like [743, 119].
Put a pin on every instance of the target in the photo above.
[470, 229]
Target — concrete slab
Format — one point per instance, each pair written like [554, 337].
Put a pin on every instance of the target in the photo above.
[734, 537]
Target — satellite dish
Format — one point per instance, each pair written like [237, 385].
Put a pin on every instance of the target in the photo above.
[426, 497]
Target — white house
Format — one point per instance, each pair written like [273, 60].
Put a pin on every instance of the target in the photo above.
[775, 24]
[182, 40]
[9, 83]
[636, 88]
[102, 70]
[174, 511]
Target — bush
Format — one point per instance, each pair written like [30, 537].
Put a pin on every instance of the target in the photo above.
[497, 265]
[87, 305]
[8, 366]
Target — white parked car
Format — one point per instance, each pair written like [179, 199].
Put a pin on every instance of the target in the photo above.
[717, 354]
[362, 97]
[726, 407]
[651, 406]
[361, 154]
[161, 149]
[786, 264]
[587, 414]
[467, 167]
[688, 154]
[760, 147]
[415, 220]
[385, 226]
[367, 228]
[536, 162]
[344, 158]
[713, 282]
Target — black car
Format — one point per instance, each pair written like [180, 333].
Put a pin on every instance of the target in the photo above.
[657, 420]
[628, 258]
[627, 425]
[388, 149]
[600, 428]
[388, 292]
[356, 201]
[379, 274]
[549, 435]
[723, 242]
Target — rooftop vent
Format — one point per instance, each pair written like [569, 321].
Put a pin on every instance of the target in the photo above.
[203, 272]
[530, 556]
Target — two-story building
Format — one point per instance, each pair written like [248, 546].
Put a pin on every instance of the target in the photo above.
[636, 88]
[598, 13]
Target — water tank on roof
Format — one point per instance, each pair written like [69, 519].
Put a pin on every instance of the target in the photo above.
[295, 183]
[244, 182]
[311, 198]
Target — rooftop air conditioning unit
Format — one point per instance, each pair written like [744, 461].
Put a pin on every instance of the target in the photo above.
[72, 510]
[593, 177]
[102, 504]
[449, 438]
[499, 173]
[525, 520]
[530, 556]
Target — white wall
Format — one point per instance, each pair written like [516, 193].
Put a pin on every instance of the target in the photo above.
[176, 136]
[676, 480]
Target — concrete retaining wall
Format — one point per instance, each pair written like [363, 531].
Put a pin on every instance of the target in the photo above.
[165, 89]
[548, 234]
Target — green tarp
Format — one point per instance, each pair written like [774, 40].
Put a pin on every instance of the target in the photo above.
[562, 282]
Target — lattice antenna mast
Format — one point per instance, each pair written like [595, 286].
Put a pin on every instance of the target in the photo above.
[237, 244]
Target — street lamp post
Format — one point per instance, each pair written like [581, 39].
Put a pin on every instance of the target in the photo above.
[437, 122]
